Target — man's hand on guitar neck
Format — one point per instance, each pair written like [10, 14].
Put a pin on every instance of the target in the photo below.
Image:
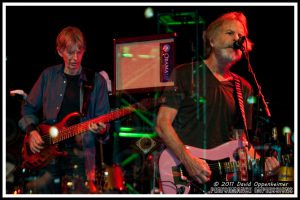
[98, 128]
[197, 168]
[271, 166]
[35, 141]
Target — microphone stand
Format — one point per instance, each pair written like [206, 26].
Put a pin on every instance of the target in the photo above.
[245, 53]
[265, 105]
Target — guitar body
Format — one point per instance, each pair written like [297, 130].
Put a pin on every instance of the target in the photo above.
[173, 180]
[40, 160]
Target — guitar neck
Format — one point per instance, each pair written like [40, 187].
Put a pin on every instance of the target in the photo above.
[230, 167]
[83, 127]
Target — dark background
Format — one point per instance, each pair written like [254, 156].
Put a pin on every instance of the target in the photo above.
[31, 33]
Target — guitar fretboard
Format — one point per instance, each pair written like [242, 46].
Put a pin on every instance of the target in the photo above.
[230, 167]
[83, 127]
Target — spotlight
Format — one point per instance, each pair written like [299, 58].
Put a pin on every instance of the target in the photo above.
[149, 13]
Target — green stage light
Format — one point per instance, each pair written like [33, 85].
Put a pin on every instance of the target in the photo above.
[127, 55]
[179, 18]
[129, 159]
[138, 135]
[130, 189]
[140, 114]
[126, 129]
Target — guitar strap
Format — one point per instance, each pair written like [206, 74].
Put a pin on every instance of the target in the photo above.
[88, 86]
[243, 164]
[238, 89]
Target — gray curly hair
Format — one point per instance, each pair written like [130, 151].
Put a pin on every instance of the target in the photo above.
[213, 27]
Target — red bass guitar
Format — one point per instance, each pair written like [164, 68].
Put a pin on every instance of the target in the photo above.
[53, 134]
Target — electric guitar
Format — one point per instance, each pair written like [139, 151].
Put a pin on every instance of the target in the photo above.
[174, 178]
[53, 134]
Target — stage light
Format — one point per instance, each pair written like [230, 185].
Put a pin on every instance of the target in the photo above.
[131, 189]
[126, 129]
[149, 13]
[53, 132]
[129, 159]
[139, 113]
[138, 135]
[252, 100]
[286, 130]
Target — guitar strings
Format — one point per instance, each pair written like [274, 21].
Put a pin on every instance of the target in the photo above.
[65, 133]
[83, 126]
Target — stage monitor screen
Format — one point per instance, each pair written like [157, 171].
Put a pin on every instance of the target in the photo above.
[143, 63]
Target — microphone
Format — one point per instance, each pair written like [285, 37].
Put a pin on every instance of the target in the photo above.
[239, 43]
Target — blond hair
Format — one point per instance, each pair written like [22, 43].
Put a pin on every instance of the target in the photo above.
[70, 36]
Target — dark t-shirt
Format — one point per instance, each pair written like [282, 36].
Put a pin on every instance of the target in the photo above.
[71, 101]
[208, 110]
